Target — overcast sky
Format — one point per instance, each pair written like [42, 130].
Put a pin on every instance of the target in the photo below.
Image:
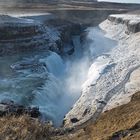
[123, 1]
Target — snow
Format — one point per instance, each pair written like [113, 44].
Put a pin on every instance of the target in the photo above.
[131, 18]
[95, 71]
[124, 57]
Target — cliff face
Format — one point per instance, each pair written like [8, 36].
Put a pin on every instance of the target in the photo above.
[121, 123]
[20, 35]
[113, 87]
[132, 22]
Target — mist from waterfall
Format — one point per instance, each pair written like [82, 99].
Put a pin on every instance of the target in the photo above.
[55, 83]
[73, 74]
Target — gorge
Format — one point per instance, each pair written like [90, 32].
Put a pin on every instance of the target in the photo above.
[73, 65]
[43, 78]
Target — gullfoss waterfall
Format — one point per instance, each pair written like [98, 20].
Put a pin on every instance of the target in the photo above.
[53, 82]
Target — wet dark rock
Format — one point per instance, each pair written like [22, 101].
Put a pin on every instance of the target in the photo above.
[109, 67]
[74, 120]
[136, 126]
[64, 121]
[27, 65]
[101, 102]
[70, 52]
[126, 133]
[115, 19]
[115, 138]
[67, 30]
[10, 108]
[15, 28]
[121, 133]
[87, 111]
[34, 112]
[83, 36]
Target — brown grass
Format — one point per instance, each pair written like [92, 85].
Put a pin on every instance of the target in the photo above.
[120, 118]
[23, 128]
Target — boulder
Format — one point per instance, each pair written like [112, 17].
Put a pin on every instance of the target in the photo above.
[74, 120]
[10, 108]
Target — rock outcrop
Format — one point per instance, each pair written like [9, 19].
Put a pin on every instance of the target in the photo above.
[132, 21]
[66, 31]
[121, 123]
[114, 87]
[20, 35]
[11, 108]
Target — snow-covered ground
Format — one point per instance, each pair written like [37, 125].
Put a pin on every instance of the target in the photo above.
[118, 81]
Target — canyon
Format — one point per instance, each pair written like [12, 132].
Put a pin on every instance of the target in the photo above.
[70, 70]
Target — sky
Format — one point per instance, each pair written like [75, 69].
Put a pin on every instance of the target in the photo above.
[123, 1]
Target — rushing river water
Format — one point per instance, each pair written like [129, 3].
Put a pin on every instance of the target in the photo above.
[51, 82]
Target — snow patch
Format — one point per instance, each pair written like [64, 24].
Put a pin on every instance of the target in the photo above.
[95, 71]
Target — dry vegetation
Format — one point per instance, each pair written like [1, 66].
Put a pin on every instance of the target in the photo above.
[122, 118]
[23, 128]
[123, 122]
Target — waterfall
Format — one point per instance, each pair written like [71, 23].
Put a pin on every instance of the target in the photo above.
[52, 83]
[97, 43]
[54, 64]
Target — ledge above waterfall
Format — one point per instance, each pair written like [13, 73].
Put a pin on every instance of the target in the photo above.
[132, 21]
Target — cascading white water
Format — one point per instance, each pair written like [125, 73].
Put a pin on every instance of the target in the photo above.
[54, 64]
[52, 83]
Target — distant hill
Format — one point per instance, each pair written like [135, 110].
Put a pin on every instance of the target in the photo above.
[42, 1]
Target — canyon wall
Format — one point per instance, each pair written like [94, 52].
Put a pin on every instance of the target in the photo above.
[20, 35]
[132, 21]
[112, 88]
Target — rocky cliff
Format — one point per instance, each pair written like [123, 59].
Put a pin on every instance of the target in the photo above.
[121, 123]
[114, 85]
[131, 21]
[20, 35]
